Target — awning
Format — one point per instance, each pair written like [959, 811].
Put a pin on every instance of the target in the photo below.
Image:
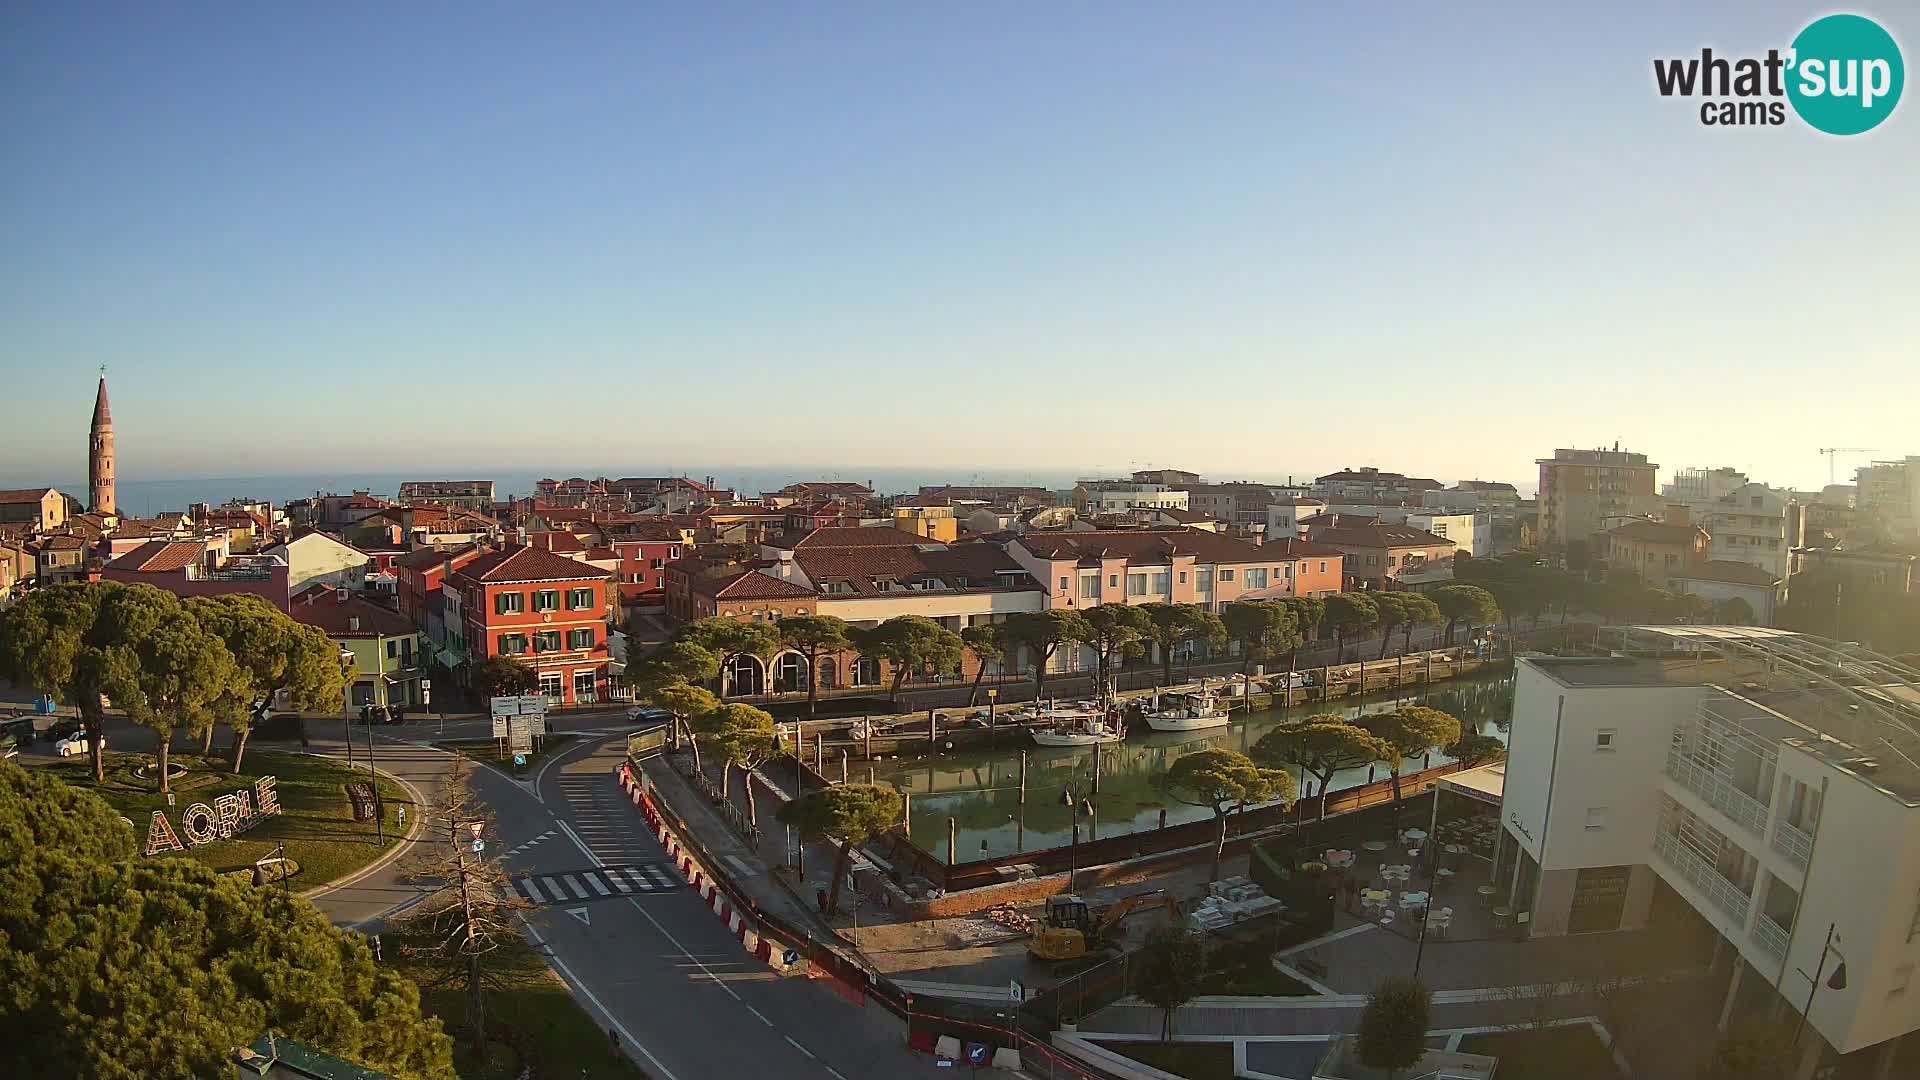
[450, 659]
[1485, 783]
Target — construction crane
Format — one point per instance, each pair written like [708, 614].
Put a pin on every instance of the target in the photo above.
[1832, 450]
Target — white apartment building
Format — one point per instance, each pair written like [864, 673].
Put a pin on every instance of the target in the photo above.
[1284, 516]
[1119, 496]
[1748, 522]
[1770, 780]
[1471, 531]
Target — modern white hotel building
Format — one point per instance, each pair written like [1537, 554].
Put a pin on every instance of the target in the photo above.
[1771, 780]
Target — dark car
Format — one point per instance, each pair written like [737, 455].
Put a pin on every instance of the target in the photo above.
[380, 714]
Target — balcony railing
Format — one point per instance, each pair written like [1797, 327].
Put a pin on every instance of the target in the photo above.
[1720, 892]
[1746, 811]
[1797, 846]
[1770, 936]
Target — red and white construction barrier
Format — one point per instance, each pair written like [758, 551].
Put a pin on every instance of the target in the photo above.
[739, 922]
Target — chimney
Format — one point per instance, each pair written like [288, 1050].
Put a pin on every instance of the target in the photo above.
[353, 623]
[783, 560]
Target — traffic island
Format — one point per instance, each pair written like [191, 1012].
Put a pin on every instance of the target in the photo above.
[315, 812]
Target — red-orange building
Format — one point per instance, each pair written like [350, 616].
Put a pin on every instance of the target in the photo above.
[544, 609]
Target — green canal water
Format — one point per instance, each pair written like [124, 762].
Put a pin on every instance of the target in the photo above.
[980, 789]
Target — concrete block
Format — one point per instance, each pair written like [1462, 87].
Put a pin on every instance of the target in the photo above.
[947, 1046]
[1006, 1057]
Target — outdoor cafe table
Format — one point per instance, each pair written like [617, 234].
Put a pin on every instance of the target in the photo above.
[1375, 845]
[1413, 836]
[1339, 859]
[1413, 899]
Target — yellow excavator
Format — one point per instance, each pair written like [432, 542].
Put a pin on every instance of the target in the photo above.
[1072, 930]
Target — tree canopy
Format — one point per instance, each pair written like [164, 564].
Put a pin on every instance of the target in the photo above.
[911, 643]
[163, 667]
[1222, 780]
[503, 676]
[1171, 625]
[1351, 614]
[1469, 603]
[810, 636]
[50, 640]
[1264, 628]
[848, 814]
[132, 970]
[1043, 632]
[39, 812]
[1393, 1026]
[1114, 631]
[1409, 733]
[273, 653]
[1473, 750]
[1169, 969]
[1322, 746]
[990, 644]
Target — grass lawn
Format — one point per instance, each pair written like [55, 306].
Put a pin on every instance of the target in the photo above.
[487, 751]
[1248, 971]
[1196, 1061]
[315, 820]
[531, 1012]
[1568, 1052]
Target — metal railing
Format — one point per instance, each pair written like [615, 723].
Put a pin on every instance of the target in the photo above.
[1770, 936]
[1722, 893]
[1746, 811]
[1796, 845]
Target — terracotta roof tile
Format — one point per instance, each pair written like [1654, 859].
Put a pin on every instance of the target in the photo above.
[319, 607]
[1377, 534]
[847, 536]
[1142, 547]
[23, 495]
[159, 556]
[528, 564]
[1659, 532]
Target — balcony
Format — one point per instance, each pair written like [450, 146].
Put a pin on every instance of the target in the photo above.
[1699, 873]
[1746, 811]
[1797, 846]
[1770, 936]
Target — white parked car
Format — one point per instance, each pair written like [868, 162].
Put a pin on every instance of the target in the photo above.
[75, 745]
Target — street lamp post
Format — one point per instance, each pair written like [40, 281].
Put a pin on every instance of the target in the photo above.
[993, 697]
[1836, 981]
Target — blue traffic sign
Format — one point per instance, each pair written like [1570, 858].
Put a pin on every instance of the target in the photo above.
[976, 1053]
[519, 759]
[790, 957]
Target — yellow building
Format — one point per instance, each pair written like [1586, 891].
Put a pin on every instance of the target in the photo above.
[387, 655]
[931, 522]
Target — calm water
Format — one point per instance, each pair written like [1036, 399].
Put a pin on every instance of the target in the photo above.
[980, 789]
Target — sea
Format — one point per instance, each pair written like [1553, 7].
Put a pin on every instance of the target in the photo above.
[141, 495]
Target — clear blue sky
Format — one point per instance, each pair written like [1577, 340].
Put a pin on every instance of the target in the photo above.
[1244, 238]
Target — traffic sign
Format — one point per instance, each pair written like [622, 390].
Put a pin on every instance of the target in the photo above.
[790, 957]
[1019, 993]
[476, 828]
[519, 760]
[479, 846]
[976, 1054]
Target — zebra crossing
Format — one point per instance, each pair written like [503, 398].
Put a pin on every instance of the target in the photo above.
[596, 883]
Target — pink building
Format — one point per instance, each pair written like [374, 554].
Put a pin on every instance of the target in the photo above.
[1178, 566]
[192, 568]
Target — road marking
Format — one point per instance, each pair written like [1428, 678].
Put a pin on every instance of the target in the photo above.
[579, 986]
[533, 891]
[836, 1072]
[619, 879]
[581, 914]
[659, 876]
[594, 880]
[761, 1015]
[791, 1042]
[573, 884]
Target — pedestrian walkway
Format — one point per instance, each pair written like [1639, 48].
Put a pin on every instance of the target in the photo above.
[597, 883]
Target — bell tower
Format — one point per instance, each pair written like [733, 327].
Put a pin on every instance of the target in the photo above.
[100, 454]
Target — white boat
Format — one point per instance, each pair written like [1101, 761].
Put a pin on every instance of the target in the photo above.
[1076, 726]
[1186, 712]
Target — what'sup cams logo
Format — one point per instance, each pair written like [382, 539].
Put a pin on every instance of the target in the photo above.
[1842, 75]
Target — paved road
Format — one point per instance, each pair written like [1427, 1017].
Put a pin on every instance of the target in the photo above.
[657, 963]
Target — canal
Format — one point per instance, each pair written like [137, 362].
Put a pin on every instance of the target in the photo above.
[980, 790]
